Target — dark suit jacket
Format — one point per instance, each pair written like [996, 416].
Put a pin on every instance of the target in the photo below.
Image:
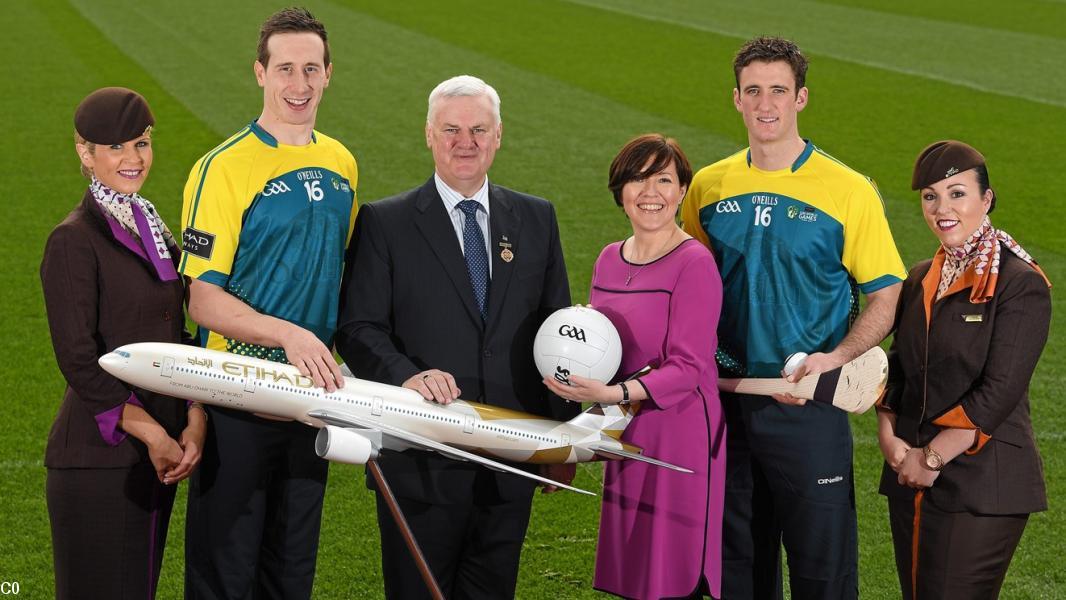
[978, 358]
[99, 296]
[407, 305]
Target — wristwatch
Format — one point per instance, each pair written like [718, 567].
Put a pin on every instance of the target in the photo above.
[933, 460]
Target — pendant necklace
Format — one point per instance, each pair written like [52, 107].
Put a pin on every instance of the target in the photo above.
[630, 273]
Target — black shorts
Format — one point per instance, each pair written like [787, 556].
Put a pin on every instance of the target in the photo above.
[788, 479]
[254, 509]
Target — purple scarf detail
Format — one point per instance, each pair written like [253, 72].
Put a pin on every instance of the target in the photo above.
[151, 241]
[164, 268]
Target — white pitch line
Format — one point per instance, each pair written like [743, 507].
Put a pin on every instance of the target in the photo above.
[14, 465]
[1034, 96]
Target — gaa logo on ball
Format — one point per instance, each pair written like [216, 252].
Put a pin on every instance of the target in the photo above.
[578, 340]
[571, 331]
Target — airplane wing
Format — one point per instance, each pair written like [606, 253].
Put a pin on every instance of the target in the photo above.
[619, 453]
[413, 440]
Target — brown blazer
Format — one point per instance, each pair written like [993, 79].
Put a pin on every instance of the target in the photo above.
[972, 366]
[99, 296]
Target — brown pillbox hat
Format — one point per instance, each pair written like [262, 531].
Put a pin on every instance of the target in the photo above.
[942, 160]
[113, 115]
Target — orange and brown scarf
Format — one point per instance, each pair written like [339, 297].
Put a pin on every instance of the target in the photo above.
[978, 257]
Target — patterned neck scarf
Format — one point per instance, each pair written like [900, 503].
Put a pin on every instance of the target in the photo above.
[132, 216]
[981, 251]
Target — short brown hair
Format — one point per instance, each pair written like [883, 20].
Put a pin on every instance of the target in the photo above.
[771, 49]
[659, 149]
[290, 20]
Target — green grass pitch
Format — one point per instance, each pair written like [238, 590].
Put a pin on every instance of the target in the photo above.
[577, 79]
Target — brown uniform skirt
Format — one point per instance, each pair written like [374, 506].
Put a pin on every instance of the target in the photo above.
[109, 528]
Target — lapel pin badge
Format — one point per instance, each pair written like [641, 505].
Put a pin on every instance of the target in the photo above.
[973, 318]
[506, 254]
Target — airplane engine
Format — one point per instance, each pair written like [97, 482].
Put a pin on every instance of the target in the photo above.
[342, 445]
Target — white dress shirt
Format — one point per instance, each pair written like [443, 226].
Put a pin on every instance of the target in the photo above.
[452, 199]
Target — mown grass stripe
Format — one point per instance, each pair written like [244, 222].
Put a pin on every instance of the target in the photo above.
[963, 55]
[1037, 17]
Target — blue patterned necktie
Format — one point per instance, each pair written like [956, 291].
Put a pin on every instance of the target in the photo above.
[477, 259]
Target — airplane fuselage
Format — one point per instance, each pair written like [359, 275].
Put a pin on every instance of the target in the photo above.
[278, 390]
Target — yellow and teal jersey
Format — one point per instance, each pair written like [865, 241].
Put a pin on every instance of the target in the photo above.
[269, 223]
[794, 247]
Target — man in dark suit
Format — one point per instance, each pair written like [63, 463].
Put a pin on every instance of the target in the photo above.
[445, 288]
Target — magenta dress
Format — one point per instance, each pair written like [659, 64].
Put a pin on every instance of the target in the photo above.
[660, 530]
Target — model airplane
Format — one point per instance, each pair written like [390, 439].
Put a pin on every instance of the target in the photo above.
[363, 417]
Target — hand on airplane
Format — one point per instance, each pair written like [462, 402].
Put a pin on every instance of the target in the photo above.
[562, 473]
[434, 385]
[308, 354]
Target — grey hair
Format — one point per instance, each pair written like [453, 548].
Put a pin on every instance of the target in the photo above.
[463, 85]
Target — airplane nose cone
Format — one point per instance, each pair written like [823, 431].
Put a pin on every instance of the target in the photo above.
[114, 362]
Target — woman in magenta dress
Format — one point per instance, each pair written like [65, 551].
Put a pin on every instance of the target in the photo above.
[660, 531]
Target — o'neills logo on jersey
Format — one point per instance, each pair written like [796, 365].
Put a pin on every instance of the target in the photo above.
[309, 175]
[763, 200]
[245, 370]
[727, 206]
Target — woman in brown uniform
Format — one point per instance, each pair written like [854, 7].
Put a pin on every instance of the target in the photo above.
[962, 470]
[109, 278]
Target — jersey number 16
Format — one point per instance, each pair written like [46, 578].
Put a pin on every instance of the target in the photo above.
[762, 215]
[314, 192]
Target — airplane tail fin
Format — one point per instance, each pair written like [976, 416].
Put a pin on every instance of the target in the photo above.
[610, 419]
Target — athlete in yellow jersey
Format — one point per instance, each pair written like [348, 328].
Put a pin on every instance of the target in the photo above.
[289, 211]
[267, 218]
[797, 235]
